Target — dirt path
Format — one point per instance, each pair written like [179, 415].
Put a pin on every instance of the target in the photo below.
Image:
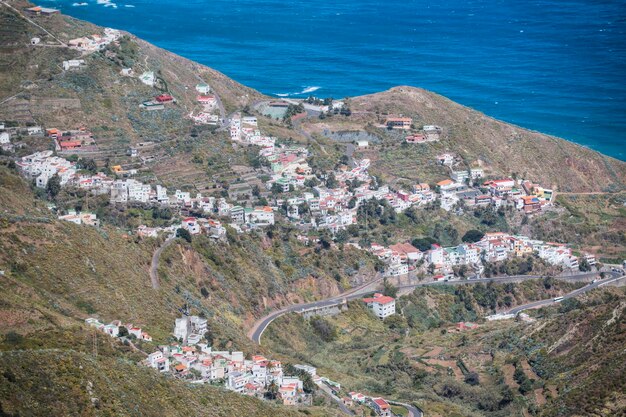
[34, 24]
[154, 275]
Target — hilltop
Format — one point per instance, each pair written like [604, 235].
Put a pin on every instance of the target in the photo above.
[37, 90]
[479, 140]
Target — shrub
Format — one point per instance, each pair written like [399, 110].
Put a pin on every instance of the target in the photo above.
[326, 330]
[184, 234]
[472, 378]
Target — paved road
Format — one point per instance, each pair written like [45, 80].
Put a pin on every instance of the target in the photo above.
[329, 393]
[511, 278]
[413, 411]
[615, 276]
[259, 327]
[154, 275]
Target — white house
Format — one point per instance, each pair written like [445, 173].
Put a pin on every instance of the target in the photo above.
[460, 176]
[159, 362]
[477, 173]
[148, 78]
[191, 225]
[5, 138]
[262, 216]
[182, 328]
[203, 88]
[73, 64]
[382, 305]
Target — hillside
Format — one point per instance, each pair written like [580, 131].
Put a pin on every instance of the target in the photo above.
[71, 381]
[479, 140]
[78, 270]
[37, 90]
[56, 274]
[422, 357]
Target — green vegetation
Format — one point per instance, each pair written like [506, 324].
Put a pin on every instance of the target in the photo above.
[68, 381]
[571, 361]
[419, 356]
[593, 223]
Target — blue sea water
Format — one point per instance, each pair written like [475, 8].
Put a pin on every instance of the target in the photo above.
[556, 66]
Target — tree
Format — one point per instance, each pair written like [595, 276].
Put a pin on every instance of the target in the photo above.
[396, 322]
[325, 241]
[311, 182]
[308, 385]
[342, 236]
[423, 243]
[326, 330]
[88, 165]
[276, 188]
[472, 236]
[526, 386]
[584, 265]
[13, 338]
[331, 181]
[389, 289]
[272, 391]
[54, 186]
[122, 331]
[184, 234]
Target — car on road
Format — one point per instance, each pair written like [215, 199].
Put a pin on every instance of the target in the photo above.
[558, 299]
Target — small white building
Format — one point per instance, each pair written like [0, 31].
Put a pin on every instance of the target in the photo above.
[203, 88]
[362, 144]
[148, 78]
[191, 225]
[34, 130]
[73, 64]
[261, 216]
[476, 173]
[159, 362]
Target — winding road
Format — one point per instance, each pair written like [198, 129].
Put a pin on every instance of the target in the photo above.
[154, 265]
[259, 327]
[615, 276]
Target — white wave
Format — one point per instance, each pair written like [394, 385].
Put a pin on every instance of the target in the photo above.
[306, 90]
[129, 5]
[79, 4]
[310, 89]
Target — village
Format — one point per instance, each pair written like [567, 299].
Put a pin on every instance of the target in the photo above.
[192, 359]
[314, 202]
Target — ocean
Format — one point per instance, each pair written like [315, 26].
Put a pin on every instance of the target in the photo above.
[556, 66]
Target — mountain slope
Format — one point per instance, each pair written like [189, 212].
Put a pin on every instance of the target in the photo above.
[501, 148]
[99, 98]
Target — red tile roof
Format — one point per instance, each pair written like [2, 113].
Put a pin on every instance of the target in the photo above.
[381, 300]
[381, 403]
